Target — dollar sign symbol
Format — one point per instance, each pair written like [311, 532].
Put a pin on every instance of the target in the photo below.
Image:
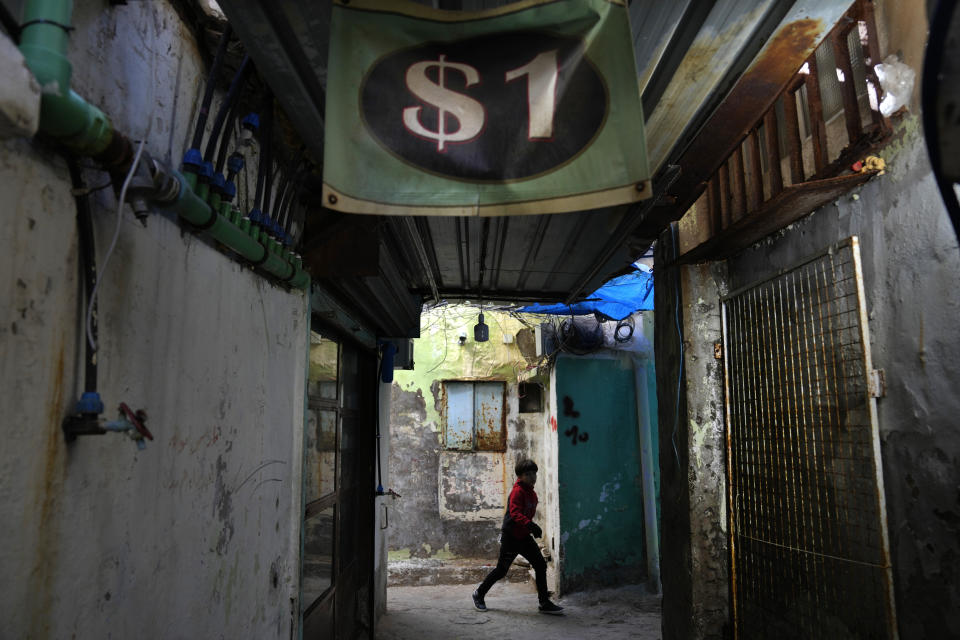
[468, 112]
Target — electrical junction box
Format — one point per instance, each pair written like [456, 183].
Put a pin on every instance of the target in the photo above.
[19, 93]
[545, 339]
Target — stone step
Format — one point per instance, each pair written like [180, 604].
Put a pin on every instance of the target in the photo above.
[431, 571]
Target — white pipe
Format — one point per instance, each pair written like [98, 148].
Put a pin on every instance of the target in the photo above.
[647, 462]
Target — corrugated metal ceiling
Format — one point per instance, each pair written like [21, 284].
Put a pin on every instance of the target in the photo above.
[689, 55]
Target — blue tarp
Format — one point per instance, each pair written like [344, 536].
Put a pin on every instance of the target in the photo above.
[616, 299]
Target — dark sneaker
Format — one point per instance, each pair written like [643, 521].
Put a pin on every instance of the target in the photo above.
[478, 601]
[548, 607]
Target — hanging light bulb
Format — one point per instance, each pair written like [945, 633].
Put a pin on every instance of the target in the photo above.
[481, 332]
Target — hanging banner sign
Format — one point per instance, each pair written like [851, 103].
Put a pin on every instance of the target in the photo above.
[530, 108]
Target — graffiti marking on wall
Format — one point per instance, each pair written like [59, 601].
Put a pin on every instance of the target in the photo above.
[574, 434]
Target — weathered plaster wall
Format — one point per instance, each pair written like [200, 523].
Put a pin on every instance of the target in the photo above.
[198, 535]
[694, 551]
[453, 502]
[911, 264]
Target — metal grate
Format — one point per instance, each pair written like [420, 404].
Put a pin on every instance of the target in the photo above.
[808, 538]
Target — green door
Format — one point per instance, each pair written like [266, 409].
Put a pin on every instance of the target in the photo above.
[600, 488]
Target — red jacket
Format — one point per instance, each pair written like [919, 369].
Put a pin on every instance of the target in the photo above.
[521, 506]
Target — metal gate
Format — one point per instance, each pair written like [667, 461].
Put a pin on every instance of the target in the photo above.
[809, 551]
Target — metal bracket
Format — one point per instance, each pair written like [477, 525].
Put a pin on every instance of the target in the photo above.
[877, 383]
[718, 351]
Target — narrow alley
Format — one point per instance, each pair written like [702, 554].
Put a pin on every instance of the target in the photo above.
[414, 613]
[315, 316]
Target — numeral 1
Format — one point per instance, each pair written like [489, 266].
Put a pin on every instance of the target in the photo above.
[541, 93]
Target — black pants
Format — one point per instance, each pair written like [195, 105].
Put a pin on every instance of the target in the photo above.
[510, 547]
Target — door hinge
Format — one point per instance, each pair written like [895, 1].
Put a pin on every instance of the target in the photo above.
[718, 350]
[877, 384]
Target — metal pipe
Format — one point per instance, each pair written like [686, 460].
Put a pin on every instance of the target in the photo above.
[85, 130]
[422, 256]
[647, 467]
[88, 269]
[227, 106]
[208, 90]
[189, 206]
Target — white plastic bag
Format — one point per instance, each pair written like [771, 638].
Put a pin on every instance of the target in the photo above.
[896, 80]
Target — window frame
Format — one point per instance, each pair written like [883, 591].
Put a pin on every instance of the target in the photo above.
[501, 444]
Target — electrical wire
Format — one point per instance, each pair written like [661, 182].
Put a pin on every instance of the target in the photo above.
[92, 303]
[113, 243]
[208, 90]
[676, 314]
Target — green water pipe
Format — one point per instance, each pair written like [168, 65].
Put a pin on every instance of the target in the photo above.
[63, 114]
[87, 131]
[189, 206]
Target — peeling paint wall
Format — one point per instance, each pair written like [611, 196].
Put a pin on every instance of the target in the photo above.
[453, 501]
[198, 535]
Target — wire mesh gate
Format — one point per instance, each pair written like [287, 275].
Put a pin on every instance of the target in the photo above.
[809, 550]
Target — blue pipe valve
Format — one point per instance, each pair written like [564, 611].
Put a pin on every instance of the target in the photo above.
[219, 184]
[90, 403]
[206, 172]
[248, 128]
[193, 161]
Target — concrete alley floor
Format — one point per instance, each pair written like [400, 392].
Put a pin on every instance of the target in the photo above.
[447, 613]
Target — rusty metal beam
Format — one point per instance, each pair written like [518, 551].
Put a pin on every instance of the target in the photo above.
[794, 40]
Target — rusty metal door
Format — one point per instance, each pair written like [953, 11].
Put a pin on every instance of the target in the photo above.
[809, 549]
[474, 416]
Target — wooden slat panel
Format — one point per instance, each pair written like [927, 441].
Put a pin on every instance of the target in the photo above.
[723, 178]
[755, 173]
[851, 110]
[738, 185]
[794, 145]
[772, 138]
[817, 125]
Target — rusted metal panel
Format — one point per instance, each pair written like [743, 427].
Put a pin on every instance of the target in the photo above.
[488, 416]
[475, 412]
[754, 93]
[728, 28]
[459, 412]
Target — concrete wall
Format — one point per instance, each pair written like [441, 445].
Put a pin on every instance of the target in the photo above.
[694, 546]
[453, 502]
[198, 535]
[911, 264]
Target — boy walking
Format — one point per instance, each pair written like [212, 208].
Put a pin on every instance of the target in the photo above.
[517, 535]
